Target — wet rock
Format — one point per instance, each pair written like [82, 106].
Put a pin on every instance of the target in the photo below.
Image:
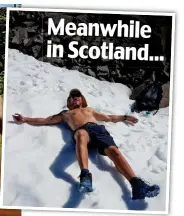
[20, 35]
[103, 69]
[29, 23]
[75, 68]
[36, 50]
[91, 73]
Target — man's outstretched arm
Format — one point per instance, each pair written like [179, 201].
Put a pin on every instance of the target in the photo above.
[119, 118]
[114, 118]
[39, 121]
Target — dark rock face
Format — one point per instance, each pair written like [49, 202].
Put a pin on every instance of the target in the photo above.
[28, 33]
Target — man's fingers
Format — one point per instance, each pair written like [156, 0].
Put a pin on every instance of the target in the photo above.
[136, 120]
[16, 114]
[15, 118]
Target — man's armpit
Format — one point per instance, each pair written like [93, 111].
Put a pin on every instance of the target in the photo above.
[63, 112]
[60, 114]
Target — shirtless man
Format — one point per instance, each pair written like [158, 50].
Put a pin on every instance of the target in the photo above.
[87, 133]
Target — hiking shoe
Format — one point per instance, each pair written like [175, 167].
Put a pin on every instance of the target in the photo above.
[85, 183]
[140, 189]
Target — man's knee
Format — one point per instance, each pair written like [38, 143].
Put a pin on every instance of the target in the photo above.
[81, 136]
[112, 151]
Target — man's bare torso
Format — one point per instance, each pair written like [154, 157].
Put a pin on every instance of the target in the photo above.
[79, 116]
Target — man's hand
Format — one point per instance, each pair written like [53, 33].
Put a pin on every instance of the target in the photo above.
[131, 119]
[18, 118]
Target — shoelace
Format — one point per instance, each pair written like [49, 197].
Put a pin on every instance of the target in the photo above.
[84, 176]
[144, 181]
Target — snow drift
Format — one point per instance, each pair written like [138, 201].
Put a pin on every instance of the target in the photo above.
[40, 167]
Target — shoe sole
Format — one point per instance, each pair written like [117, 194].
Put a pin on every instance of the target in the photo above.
[154, 193]
[83, 189]
[149, 194]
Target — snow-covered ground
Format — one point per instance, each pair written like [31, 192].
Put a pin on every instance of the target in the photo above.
[40, 164]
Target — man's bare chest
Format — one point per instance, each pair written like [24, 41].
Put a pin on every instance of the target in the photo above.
[78, 113]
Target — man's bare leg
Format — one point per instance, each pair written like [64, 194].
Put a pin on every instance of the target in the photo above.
[82, 140]
[140, 189]
[120, 162]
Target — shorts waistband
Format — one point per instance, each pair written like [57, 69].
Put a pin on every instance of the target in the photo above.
[89, 123]
[84, 125]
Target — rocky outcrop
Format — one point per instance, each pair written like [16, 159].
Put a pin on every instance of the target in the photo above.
[28, 33]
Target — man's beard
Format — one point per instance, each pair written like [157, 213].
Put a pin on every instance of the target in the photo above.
[76, 106]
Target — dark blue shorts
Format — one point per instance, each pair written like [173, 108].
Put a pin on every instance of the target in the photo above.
[98, 135]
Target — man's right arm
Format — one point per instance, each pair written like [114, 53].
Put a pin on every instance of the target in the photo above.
[58, 118]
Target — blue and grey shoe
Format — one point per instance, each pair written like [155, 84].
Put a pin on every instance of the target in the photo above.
[85, 183]
[141, 190]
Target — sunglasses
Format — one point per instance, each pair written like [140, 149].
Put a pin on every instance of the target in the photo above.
[75, 94]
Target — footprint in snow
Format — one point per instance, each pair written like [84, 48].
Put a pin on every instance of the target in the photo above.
[22, 83]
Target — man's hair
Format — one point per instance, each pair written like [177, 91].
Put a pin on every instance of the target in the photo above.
[84, 102]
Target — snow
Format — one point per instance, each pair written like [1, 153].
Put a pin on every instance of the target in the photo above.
[40, 167]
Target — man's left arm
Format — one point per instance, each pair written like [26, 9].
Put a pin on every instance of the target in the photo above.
[114, 118]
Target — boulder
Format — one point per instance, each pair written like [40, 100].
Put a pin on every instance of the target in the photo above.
[36, 50]
[20, 35]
